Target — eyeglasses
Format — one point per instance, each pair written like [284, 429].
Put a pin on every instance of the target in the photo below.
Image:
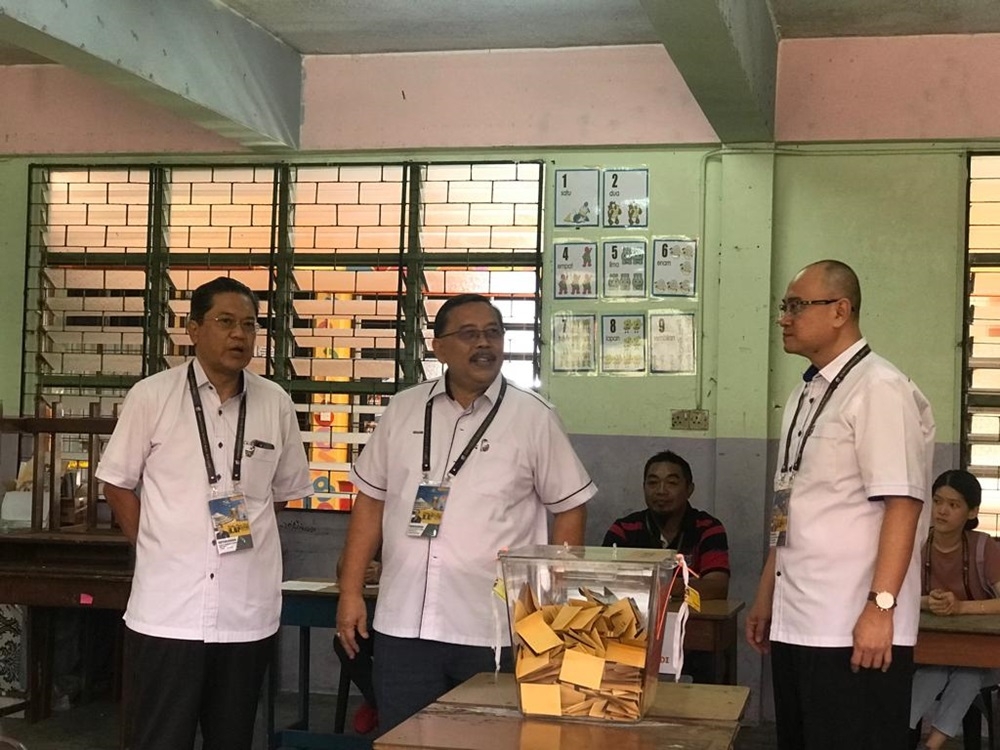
[795, 306]
[493, 335]
[226, 323]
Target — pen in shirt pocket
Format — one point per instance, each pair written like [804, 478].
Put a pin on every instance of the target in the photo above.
[253, 445]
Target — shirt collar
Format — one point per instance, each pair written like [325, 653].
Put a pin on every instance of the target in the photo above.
[201, 377]
[830, 372]
[439, 388]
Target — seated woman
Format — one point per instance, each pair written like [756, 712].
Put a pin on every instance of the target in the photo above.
[961, 573]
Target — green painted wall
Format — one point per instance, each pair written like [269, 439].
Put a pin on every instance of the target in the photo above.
[896, 214]
[899, 220]
[13, 215]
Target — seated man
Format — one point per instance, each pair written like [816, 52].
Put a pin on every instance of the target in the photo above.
[669, 522]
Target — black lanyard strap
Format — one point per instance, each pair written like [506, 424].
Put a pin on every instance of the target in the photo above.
[926, 584]
[460, 461]
[844, 372]
[206, 449]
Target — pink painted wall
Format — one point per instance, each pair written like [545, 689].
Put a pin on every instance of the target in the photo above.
[888, 88]
[49, 109]
[591, 96]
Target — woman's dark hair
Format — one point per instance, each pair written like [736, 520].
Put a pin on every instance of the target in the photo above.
[204, 296]
[966, 485]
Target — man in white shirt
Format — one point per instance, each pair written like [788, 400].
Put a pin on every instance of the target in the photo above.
[839, 598]
[201, 458]
[495, 457]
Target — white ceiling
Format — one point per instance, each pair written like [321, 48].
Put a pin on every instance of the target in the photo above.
[331, 27]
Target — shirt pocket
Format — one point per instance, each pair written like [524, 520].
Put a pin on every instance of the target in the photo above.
[258, 472]
[830, 449]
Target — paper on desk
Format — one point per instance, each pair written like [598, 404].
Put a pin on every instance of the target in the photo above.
[304, 585]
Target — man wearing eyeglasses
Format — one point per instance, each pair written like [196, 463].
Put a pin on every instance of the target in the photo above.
[201, 458]
[457, 469]
[839, 597]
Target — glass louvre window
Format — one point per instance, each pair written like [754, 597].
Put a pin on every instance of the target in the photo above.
[981, 386]
[350, 262]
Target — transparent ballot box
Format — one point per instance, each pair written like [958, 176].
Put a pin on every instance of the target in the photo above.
[587, 628]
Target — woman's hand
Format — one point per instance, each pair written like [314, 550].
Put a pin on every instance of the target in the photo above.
[943, 602]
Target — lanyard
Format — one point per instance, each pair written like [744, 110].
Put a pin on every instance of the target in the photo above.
[460, 461]
[926, 587]
[199, 416]
[844, 371]
[653, 529]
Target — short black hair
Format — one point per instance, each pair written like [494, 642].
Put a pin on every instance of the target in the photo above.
[843, 281]
[441, 319]
[966, 485]
[203, 297]
[669, 457]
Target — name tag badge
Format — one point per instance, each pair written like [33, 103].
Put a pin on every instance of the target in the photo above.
[230, 523]
[428, 510]
[779, 515]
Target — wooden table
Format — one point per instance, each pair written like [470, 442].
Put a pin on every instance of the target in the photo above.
[306, 609]
[49, 570]
[715, 630]
[958, 640]
[961, 641]
[481, 714]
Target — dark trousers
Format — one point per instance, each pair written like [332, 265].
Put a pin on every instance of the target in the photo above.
[411, 673]
[172, 687]
[820, 704]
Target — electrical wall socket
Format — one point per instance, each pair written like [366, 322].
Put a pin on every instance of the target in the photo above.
[689, 419]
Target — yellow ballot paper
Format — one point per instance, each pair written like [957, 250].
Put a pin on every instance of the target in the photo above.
[536, 633]
[582, 669]
[540, 699]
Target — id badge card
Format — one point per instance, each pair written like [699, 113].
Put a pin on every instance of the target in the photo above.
[779, 511]
[428, 510]
[230, 522]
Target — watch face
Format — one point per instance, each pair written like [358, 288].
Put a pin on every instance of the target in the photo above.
[884, 600]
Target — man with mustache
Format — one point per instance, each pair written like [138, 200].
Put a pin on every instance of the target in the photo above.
[457, 469]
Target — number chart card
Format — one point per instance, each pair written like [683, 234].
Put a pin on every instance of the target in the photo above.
[624, 268]
[674, 262]
[626, 198]
[578, 196]
[576, 274]
[623, 343]
[671, 342]
[574, 343]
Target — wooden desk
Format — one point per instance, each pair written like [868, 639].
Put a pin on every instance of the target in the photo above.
[478, 716]
[305, 609]
[959, 640]
[715, 630]
[49, 570]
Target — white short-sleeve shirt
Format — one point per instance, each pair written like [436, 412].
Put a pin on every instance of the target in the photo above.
[874, 438]
[524, 465]
[182, 588]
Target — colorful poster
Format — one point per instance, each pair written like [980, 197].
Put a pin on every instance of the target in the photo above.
[626, 197]
[577, 198]
[671, 342]
[623, 343]
[624, 268]
[575, 271]
[574, 343]
[674, 262]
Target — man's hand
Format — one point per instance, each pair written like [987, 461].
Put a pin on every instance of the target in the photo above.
[872, 640]
[352, 622]
[758, 626]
